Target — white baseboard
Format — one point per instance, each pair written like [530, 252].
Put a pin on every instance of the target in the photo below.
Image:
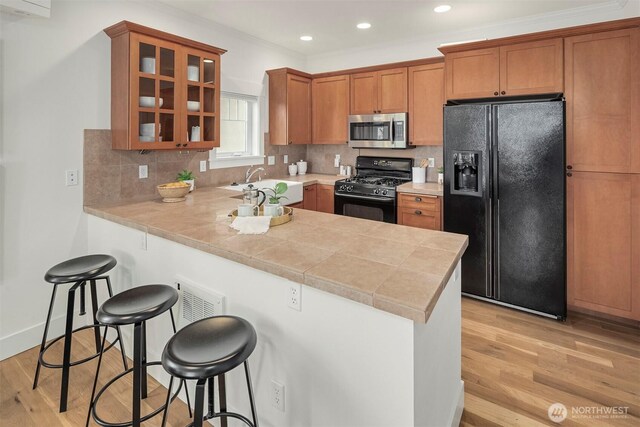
[29, 337]
[457, 415]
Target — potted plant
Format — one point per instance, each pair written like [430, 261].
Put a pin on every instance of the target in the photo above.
[278, 190]
[441, 175]
[187, 176]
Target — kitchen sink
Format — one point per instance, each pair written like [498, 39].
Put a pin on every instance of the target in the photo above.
[293, 193]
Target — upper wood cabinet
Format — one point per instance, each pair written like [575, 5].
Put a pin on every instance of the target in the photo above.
[330, 110]
[603, 243]
[426, 99]
[603, 101]
[289, 107]
[383, 91]
[516, 69]
[165, 90]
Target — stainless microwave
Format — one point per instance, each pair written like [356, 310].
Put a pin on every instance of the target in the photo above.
[378, 131]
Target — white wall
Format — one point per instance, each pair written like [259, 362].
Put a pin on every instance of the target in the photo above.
[428, 47]
[56, 82]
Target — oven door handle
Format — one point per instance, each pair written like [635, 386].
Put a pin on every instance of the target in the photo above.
[373, 199]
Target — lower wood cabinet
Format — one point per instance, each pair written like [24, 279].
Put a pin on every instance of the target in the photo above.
[318, 197]
[603, 243]
[299, 205]
[420, 210]
[309, 197]
[324, 198]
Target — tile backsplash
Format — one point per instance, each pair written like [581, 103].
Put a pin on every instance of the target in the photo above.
[111, 176]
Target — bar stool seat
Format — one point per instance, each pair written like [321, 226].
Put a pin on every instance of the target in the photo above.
[134, 307]
[205, 349]
[79, 271]
[81, 268]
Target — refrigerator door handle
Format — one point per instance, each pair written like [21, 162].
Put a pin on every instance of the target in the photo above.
[496, 286]
[489, 261]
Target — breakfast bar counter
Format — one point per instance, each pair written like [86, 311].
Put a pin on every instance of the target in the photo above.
[368, 342]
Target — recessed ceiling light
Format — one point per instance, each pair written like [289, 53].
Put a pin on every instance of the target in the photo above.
[363, 25]
[306, 38]
[442, 8]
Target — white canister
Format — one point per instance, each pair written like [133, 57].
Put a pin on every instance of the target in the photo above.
[343, 170]
[348, 171]
[293, 169]
[302, 167]
[195, 133]
[441, 178]
[419, 174]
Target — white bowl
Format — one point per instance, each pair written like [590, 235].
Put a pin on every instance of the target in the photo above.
[193, 73]
[149, 101]
[148, 129]
[193, 105]
[149, 65]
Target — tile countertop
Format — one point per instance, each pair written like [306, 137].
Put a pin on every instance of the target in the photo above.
[428, 188]
[313, 178]
[398, 269]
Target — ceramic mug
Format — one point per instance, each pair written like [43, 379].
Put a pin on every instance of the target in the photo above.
[148, 64]
[247, 209]
[293, 169]
[273, 209]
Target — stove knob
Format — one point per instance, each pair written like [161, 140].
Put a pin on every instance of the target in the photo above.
[349, 188]
[384, 192]
[342, 187]
[376, 191]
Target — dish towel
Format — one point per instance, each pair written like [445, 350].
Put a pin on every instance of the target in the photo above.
[251, 224]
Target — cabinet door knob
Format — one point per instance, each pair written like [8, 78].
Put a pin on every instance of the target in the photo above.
[290, 142]
[569, 174]
[495, 93]
[184, 145]
[177, 145]
[569, 167]
[418, 212]
[418, 199]
[503, 93]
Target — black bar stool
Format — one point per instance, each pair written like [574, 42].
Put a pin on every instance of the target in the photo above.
[205, 349]
[77, 271]
[134, 306]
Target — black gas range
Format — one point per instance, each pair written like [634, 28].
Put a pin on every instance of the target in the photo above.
[371, 194]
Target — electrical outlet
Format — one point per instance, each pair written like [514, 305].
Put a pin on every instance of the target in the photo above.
[432, 162]
[277, 395]
[71, 177]
[294, 296]
[286, 159]
[143, 171]
[336, 161]
[271, 160]
[203, 165]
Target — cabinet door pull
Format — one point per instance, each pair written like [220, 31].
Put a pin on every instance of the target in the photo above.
[418, 212]
[290, 142]
[495, 93]
[177, 145]
[569, 167]
[418, 199]
[569, 174]
[184, 145]
[503, 93]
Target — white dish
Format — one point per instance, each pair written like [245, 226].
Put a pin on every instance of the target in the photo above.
[145, 138]
[149, 65]
[149, 101]
[148, 129]
[193, 105]
[193, 73]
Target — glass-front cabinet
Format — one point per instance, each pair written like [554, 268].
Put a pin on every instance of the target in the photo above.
[165, 90]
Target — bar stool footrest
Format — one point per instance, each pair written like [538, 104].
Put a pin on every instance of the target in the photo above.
[104, 423]
[77, 362]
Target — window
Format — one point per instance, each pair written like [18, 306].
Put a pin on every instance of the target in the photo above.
[239, 132]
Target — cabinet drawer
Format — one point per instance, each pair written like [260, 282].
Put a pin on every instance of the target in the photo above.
[419, 201]
[419, 218]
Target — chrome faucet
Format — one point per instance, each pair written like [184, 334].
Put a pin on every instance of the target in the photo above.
[249, 174]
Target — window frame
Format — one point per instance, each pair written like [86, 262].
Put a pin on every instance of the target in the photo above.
[256, 154]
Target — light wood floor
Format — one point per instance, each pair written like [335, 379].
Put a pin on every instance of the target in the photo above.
[514, 366]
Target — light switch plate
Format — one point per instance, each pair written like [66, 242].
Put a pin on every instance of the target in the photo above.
[286, 159]
[203, 165]
[143, 171]
[336, 161]
[271, 160]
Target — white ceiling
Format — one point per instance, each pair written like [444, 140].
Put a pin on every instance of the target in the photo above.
[332, 23]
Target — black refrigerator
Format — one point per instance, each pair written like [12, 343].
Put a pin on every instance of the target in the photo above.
[505, 188]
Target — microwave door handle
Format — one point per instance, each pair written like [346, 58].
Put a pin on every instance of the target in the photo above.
[392, 132]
